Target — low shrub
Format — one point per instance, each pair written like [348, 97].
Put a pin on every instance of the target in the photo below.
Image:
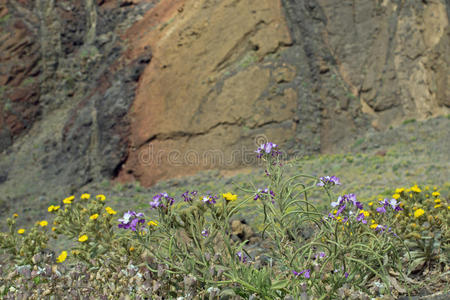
[185, 248]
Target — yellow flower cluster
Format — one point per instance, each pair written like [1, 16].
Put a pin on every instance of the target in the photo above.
[62, 257]
[69, 200]
[110, 211]
[416, 189]
[229, 196]
[83, 238]
[100, 197]
[418, 213]
[365, 212]
[53, 208]
[152, 223]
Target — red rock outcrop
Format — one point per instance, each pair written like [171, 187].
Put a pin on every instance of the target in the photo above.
[148, 90]
[19, 68]
[210, 89]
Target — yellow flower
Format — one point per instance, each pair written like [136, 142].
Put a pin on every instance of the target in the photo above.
[83, 238]
[437, 206]
[101, 197]
[62, 257]
[372, 221]
[419, 212]
[399, 191]
[396, 196]
[416, 189]
[436, 194]
[370, 203]
[68, 200]
[365, 213]
[131, 249]
[21, 231]
[448, 207]
[410, 195]
[43, 223]
[53, 208]
[110, 211]
[427, 188]
[85, 196]
[435, 188]
[15, 215]
[437, 201]
[229, 196]
[53, 228]
[152, 223]
[373, 226]
[93, 217]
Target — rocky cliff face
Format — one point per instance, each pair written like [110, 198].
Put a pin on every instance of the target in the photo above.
[148, 90]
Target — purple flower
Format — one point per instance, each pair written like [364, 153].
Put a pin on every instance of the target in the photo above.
[340, 210]
[210, 199]
[161, 200]
[267, 148]
[131, 219]
[156, 202]
[262, 193]
[346, 275]
[329, 181]
[389, 203]
[306, 273]
[241, 256]
[381, 209]
[320, 255]
[360, 218]
[189, 197]
[205, 233]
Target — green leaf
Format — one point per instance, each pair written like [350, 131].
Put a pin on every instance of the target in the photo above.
[279, 284]
[227, 292]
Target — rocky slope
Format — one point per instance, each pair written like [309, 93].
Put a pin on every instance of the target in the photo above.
[148, 90]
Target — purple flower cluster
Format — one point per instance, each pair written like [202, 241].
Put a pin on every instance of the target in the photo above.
[306, 273]
[383, 228]
[131, 219]
[347, 201]
[210, 199]
[329, 181]
[320, 255]
[189, 197]
[161, 200]
[241, 256]
[263, 193]
[389, 203]
[268, 148]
